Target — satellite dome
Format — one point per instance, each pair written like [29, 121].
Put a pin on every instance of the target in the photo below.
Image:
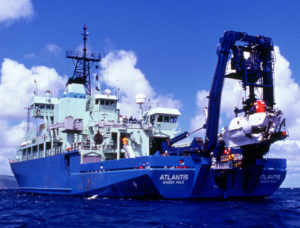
[140, 98]
[107, 92]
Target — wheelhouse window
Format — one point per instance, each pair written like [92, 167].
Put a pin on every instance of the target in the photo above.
[163, 118]
[167, 119]
[160, 118]
[105, 102]
[44, 106]
[49, 107]
[173, 119]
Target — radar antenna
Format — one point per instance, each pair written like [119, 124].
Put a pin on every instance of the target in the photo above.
[83, 62]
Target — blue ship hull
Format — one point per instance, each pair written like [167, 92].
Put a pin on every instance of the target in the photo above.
[148, 177]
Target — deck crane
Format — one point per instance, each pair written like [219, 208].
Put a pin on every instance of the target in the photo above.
[251, 59]
[256, 71]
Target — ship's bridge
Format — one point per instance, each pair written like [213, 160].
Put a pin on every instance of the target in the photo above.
[163, 119]
[42, 106]
[105, 102]
[106, 106]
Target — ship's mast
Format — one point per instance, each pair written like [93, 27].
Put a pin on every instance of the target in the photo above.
[82, 63]
[28, 119]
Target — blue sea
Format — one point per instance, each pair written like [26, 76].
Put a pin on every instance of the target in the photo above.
[29, 210]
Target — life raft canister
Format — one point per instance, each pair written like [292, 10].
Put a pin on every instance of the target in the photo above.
[227, 151]
[260, 106]
[98, 138]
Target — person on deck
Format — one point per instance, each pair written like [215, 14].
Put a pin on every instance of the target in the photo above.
[165, 146]
[129, 153]
[125, 140]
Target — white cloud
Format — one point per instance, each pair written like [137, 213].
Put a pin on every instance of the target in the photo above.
[30, 55]
[17, 86]
[287, 93]
[166, 101]
[290, 150]
[119, 71]
[230, 96]
[11, 10]
[10, 138]
[5, 155]
[199, 119]
[122, 73]
[53, 48]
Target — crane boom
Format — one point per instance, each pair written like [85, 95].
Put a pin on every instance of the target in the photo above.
[255, 71]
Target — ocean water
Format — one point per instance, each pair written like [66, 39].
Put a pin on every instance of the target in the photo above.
[29, 210]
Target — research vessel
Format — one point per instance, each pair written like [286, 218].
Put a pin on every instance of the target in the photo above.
[80, 144]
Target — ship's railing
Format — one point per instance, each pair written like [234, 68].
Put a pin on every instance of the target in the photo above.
[41, 154]
[228, 162]
[222, 165]
[126, 124]
[80, 146]
[54, 151]
[79, 55]
[90, 146]
[110, 148]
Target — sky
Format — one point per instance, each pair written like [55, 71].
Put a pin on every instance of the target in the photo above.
[164, 49]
